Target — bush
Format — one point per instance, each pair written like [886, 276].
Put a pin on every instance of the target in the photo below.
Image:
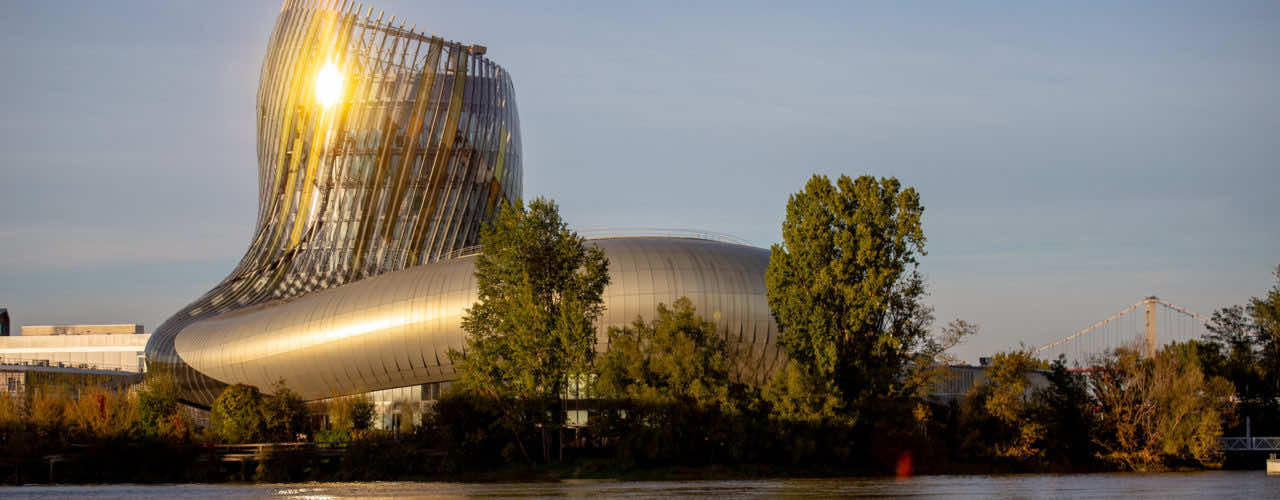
[351, 413]
[284, 414]
[471, 429]
[236, 416]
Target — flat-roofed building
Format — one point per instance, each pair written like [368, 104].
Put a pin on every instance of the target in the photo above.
[98, 347]
[122, 329]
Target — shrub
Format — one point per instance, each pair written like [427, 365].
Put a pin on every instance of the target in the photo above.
[236, 416]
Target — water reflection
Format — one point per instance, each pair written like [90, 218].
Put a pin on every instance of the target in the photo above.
[1231, 484]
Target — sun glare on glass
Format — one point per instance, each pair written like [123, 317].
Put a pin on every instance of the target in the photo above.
[328, 85]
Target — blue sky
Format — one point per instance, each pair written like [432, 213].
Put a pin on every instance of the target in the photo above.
[1072, 157]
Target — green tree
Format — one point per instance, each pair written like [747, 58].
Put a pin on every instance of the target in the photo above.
[361, 413]
[797, 394]
[844, 289]
[1066, 410]
[284, 414]
[679, 357]
[540, 291]
[236, 415]
[1231, 350]
[157, 404]
[1265, 312]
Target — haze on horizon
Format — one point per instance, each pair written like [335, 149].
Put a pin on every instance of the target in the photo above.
[1072, 159]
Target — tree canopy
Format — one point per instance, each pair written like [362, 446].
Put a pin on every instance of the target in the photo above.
[1000, 413]
[1243, 345]
[1156, 410]
[1265, 312]
[678, 357]
[540, 292]
[236, 415]
[284, 414]
[843, 284]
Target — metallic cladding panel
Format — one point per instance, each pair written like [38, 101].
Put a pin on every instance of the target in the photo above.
[395, 329]
[402, 171]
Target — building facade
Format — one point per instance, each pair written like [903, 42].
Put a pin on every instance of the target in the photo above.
[382, 151]
[115, 348]
[119, 329]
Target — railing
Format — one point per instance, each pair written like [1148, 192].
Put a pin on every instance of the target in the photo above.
[259, 451]
[629, 232]
[68, 364]
[626, 232]
[241, 452]
[1249, 443]
[460, 252]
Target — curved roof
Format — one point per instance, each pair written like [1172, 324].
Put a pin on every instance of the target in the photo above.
[396, 329]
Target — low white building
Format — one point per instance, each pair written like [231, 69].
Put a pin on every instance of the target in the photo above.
[96, 347]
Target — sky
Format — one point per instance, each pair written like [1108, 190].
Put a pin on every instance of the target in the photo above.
[1072, 157]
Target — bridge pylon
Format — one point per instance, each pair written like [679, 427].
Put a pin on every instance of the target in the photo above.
[1151, 344]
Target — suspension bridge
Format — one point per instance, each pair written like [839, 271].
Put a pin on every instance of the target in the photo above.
[1144, 325]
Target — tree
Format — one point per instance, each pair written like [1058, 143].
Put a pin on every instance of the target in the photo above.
[540, 292]
[1161, 410]
[408, 413]
[351, 413]
[1265, 312]
[931, 366]
[844, 289]
[10, 410]
[284, 414]
[1002, 411]
[157, 404]
[101, 414]
[798, 395]
[1231, 350]
[937, 350]
[361, 412]
[679, 357]
[236, 415]
[47, 412]
[1066, 409]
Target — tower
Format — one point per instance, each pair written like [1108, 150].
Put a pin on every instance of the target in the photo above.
[379, 148]
[1150, 345]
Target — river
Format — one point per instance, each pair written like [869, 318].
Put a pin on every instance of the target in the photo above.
[1216, 484]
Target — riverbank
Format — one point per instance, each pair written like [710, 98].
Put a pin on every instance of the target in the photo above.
[390, 461]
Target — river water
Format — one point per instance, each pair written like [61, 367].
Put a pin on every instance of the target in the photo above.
[1217, 484]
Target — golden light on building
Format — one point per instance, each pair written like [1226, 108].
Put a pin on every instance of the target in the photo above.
[328, 85]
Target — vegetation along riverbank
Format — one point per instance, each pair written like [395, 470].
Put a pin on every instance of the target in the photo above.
[669, 399]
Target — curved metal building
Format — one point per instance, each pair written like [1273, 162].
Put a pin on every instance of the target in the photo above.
[382, 151]
[396, 329]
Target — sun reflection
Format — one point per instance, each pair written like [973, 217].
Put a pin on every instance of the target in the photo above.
[328, 85]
